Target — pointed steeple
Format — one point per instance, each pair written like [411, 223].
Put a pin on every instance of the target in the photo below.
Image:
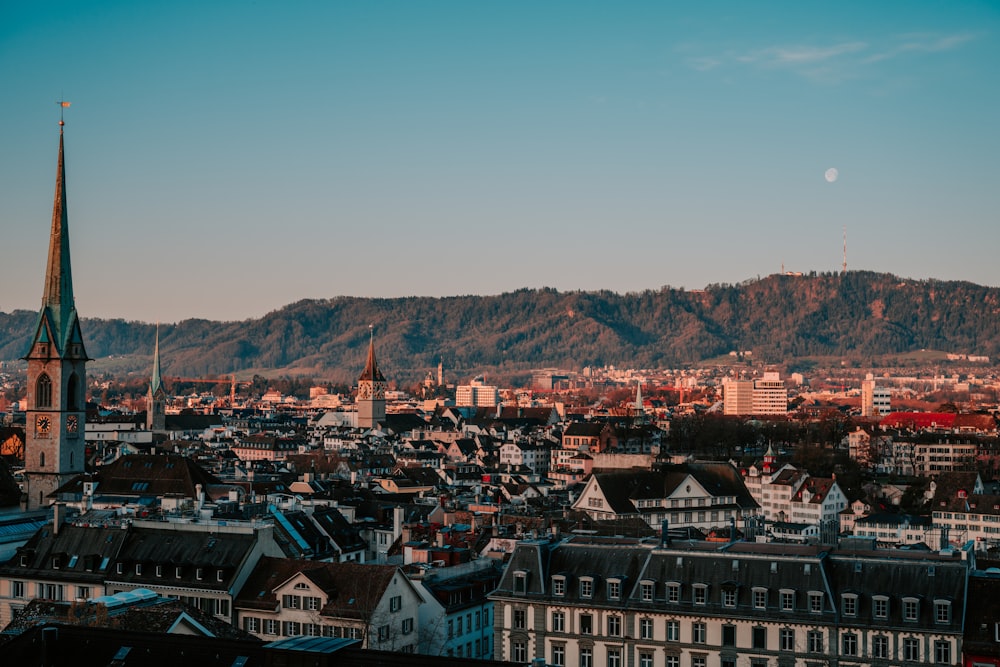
[58, 320]
[371, 371]
[154, 380]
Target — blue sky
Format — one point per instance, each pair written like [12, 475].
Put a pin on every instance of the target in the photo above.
[227, 158]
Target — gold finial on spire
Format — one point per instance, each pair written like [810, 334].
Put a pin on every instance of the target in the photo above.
[63, 105]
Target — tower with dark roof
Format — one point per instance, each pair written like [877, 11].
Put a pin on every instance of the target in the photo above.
[57, 380]
[371, 391]
[156, 397]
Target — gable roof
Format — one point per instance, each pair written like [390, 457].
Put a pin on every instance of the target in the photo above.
[353, 590]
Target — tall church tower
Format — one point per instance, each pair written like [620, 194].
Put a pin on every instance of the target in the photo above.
[156, 397]
[57, 379]
[371, 391]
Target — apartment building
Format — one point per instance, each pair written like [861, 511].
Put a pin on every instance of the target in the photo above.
[617, 602]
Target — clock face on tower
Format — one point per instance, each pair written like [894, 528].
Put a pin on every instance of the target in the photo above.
[72, 424]
[364, 391]
[379, 390]
[43, 424]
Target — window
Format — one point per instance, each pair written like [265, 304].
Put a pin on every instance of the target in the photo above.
[520, 583]
[787, 600]
[673, 661]
[17, 589]
[395, 602]
[698, 632]
[815, 640]
[312, 603]
[558, 621]
[520, 620]
[614, 657]
[942, 611]
[760, 638]
[729, 597]
[83, 592]
[646, 591]
[251, 624]
[383, 633]
[729, 635]
[880, 647]
[849, 643]
[673, 631]
[759, 598]
[911, 609]
[880, 606]
[293, 628]
[291, 602]
[849, 603]
[645, 660]
[911, 649]
[614, 589]
[559, 585]
[614, 626]
[586, 624]
[645, 628]
[700, 593]
[942, 652]
[673, 593]
[270, 626]
[518, 652]
[815, 602]
[586, 587]
[786, 639]
[586, 657]
[407, 626]
[43, 391]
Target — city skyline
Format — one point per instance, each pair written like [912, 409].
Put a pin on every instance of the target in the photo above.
[225, 161]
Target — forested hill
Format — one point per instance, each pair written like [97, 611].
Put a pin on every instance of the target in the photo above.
[859, 315]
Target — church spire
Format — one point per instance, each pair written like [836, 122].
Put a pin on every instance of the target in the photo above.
[58, 294]
[371, 371]
[154, 380]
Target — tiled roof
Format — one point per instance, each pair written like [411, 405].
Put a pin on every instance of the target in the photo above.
[353, 589]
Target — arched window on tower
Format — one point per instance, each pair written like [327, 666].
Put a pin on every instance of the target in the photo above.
[43, 391]
[41, 459]
[73, 392]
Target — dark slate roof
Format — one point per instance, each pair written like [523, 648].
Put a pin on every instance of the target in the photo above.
[621, 488]
[194, 552]
[146, 475]
[195, 422]
[983, 615]
[79, 552]
[585, 429]
[345, 536]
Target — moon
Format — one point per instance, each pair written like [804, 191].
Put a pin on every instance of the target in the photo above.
[831, 174]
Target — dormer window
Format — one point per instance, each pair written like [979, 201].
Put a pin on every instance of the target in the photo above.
[614, 589]
[219, 575]
[119, 568]
[729, 596]
[559, 585]
[880, 606]
[849, 604]
[586, 587]
[942, 611]
[673, 592]
[520, 582]
[647, 589]
[759, 598]
[816, 602]
[138, 568]
[199, 573]
[177, 572]
[700, 593]
[159, 570]
[911, 609]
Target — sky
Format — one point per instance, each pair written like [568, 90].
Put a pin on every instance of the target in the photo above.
[225, 159]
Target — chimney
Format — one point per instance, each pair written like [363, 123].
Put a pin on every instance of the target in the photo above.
[57, 517]
[664, 534]
[732, 529]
